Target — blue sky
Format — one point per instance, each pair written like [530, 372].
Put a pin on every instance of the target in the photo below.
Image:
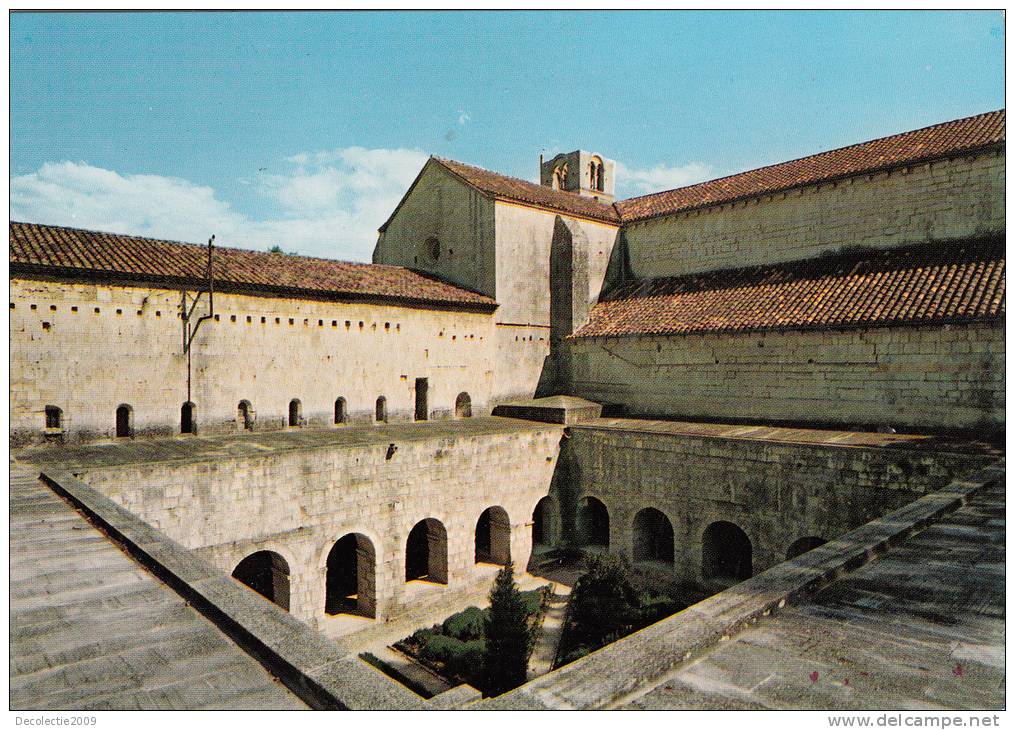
[304, 129]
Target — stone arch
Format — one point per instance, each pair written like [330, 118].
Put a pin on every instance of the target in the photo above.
[381, 410]
[426, 552]
[653, 536]
[350, 581]
[593, 522]
[463, 405]
[266, 573]
[545, 522]
[245, 415]
[493, 536]
[124, 420]
[295, 413]
[188, 420]
[340, 411]
[54, 417]
[725, 552]
[803, 545]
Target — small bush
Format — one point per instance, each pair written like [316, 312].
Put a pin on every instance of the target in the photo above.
[463, 658]
[466, 625]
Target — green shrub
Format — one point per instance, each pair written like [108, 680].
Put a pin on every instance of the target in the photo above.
[464, 658]
[466, 625]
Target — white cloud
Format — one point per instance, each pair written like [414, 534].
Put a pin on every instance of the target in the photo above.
[330, 202]
[633, 181]
[464, 117]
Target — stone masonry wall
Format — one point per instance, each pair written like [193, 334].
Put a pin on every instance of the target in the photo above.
[923, 378]
[88, 348]
[776, 492]
[461, 220]
[299, 502]
[936, 201]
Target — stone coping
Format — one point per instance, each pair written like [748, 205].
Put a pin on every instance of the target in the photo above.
[209, 448]
[605, 677]
[563, 409]
[795, 436]
[321, 672]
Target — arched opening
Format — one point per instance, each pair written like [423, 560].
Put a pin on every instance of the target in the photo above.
[463, 406]
[426, 552]
[493, 537]
[725, 552]
[545, 522]
[124, 421]
[295, 413]
[266, 573]
[593, 523]
[54, 417]
[187, 423]
[653, 536]
[340, 410]
[245, 415]
[803, 545]
[381, 410]
[350, 582]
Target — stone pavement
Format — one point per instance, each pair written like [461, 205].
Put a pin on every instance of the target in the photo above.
[90, 629]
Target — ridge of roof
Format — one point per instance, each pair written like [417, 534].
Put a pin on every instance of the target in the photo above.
[524, 191]
[41, 248]
[934, 141]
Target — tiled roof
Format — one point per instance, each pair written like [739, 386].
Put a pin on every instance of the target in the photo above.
[63, 251]
[915, 285]
[938, 141]
[523, 191]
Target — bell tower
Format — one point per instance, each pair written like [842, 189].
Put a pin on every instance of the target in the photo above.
[584, 173]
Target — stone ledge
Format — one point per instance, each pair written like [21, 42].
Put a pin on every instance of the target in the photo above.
[606, 676]
[320, 672]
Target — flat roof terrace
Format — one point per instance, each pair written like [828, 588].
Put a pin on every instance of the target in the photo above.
[787, 435]
[93, 630]
[207, 448]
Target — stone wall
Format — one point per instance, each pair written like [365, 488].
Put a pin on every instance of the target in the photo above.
[458, 217]
[299, 502]
[89, 348]
[923, 378]
[775, 492]
[936, 201]
[524, 237]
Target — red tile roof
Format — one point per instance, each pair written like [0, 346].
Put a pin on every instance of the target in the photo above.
[935, 142]
[523, 191]
[61, 251]
[936, 283]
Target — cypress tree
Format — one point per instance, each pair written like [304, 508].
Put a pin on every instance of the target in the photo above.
[508, 636]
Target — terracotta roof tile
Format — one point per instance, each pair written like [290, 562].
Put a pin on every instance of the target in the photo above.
[914, 285]
[72, 251]
[938, 141]
[523, 191]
